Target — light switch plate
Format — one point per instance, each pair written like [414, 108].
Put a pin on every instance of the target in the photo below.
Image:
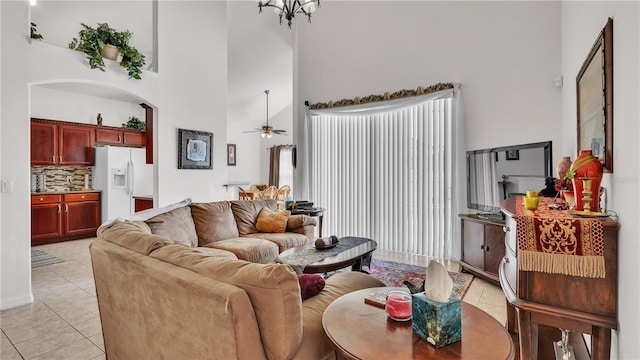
[7, 186]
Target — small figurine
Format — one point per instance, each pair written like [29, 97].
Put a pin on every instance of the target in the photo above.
[99, 119]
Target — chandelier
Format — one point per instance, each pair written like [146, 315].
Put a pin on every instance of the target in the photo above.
[289, 8]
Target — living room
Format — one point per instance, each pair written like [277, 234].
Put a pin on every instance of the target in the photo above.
[506, 55]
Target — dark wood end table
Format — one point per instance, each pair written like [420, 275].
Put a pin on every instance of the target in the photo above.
[360, 331]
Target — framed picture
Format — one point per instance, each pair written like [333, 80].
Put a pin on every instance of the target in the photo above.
[594, 86]
[194, 149]
[231, 154]
[512, 154]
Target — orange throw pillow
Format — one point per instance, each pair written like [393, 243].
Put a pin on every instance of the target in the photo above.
[272, 222]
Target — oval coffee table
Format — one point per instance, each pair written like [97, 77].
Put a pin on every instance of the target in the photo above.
[354, 257]
[360, 331]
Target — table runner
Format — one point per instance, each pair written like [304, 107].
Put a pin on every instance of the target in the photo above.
[301, 259]
[552, 241]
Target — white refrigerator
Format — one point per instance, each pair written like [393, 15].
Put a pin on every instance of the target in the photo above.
[121, 173]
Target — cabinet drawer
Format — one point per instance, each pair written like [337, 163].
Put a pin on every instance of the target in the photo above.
[82, 197]
[45, 199]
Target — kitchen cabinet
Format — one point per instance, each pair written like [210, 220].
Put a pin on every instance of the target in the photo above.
[142, 203]
[75, 145]
[482, 246]
[118, 136]
[60, 143]
[44, 143]
[60, 217]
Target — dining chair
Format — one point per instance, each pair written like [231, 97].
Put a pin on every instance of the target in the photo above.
[281, 198]
[242, 194]
[270, 192]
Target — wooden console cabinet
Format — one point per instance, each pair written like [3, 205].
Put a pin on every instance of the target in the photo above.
[60, 217]
[482, 246]
[582, 304]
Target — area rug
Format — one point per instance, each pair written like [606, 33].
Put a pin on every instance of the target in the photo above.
[393, 274]
[41, 258]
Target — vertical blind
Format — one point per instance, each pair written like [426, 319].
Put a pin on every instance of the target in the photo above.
[388, 174]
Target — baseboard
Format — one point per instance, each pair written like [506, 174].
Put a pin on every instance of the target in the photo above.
[17, 301]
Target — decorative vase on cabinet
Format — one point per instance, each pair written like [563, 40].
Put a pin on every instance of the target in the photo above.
[587, 166]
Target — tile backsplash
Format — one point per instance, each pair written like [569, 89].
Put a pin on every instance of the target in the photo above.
[57, 177]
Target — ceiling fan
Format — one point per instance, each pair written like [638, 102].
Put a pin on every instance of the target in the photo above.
[267, 131]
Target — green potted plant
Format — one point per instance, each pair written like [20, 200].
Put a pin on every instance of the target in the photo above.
[93, 41]
[34, 32]
[135, 123]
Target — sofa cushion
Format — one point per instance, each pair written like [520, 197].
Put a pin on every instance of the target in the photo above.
[315, 344]
[216, 252]
[273, 289]
[133, 235]
[176, 225]
[246, 213]
[250, 249]
[214, 222]
[270, 221]
[310, 285]
[285, 240]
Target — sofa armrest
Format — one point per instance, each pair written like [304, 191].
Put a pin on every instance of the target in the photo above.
[302, 224]
[298, 221]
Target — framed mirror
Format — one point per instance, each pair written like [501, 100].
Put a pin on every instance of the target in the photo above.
[594, 85]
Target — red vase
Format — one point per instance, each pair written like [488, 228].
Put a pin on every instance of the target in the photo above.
[587, 166]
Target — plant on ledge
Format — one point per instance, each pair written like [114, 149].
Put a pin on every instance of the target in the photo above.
[34, 32]
[135, 123]
[92, 42]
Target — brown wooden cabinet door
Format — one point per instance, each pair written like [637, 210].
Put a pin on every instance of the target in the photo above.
[109, 136]
[82, 217]
[473, 244]
[493, 248]
[46, 221]
[134, 138]
[76, 145]
[44, 144]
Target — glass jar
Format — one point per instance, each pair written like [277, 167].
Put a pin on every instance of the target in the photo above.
[398, 305]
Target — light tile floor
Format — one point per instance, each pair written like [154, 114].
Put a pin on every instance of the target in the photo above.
[63, 321]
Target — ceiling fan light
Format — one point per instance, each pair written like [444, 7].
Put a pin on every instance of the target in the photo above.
[263, 134]
[269, 136]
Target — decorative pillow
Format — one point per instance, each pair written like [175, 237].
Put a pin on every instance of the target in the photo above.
[270, 221]
[176, 225]
[310, 285]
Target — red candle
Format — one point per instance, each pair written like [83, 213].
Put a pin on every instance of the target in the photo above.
[398, 305]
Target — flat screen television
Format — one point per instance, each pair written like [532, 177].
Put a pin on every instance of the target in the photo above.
[499, 173]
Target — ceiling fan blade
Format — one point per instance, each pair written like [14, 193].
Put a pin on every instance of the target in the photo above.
[280, 132]
[253, 131]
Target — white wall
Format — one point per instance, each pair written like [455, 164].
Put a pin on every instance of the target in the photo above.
[46, 104]
[267, 65]
[581, 24]
[189, 91]
[505, 55]
[192, 64]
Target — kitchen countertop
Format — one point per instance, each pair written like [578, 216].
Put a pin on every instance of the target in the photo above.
[65, 192]
[143, 197]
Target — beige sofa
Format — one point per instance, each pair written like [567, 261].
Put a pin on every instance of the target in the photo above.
[159, 299]
[231, 228]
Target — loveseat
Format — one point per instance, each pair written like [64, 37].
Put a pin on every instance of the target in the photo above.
[160, 299]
